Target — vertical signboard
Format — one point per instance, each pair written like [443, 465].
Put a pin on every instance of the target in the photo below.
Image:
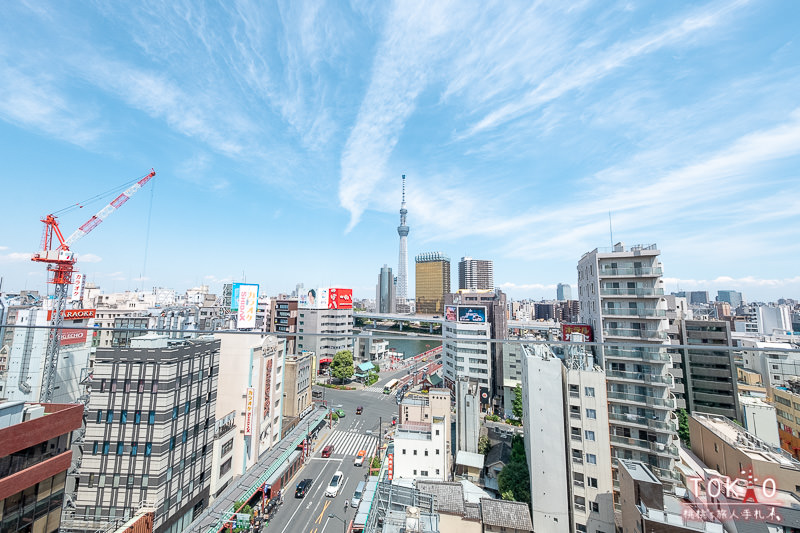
[268, 388]
[247, 303]
[390, 465]
[248, 411]
[78, 281]
[450, 313]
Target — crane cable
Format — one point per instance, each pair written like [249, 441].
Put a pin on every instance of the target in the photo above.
[97, 197]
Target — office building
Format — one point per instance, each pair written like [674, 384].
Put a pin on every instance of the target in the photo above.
[563, 292]
[566, 429]
[385, 300]
[35, 455]
[466, 354]
[777, 362]
[325, 324]
[734, 298]
[709, 376]
[697, 297]
[283, 319]
[432, 282]
[297, 385]
[402, 259]
[622, 298]
[475, 274]
[150, 431]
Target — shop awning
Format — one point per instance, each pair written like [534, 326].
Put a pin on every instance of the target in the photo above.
[325, 360]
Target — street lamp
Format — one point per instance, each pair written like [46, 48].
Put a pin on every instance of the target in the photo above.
[344, 523]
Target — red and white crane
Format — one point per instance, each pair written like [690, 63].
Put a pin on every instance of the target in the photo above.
[61, 265]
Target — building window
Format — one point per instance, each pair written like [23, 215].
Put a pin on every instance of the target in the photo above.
[415, 452]
[148, 449]
[415, 472]
[437, 471]
[588, 391]
[589, 435]
[716, 449]
[185, 435]
[154, 387]
[151, 418]
[175, 412]
[102, 385]
[172, 443]
[137, 417]
[134, 448]
[145, 480]
[100, 416]
[437, 452]
[591, 413]
[91, 481]
[123, 417]
[127, 385]
[592, 482]
[129, 484]
[96, 447]
[109, 417]
[113, 384]
[591, 458]
[120, 448]
[140, 387]
[423, 473]
[595, 507]
[115, 483]
[186, 408]
[106, 447]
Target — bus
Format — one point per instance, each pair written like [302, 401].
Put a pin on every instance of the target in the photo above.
[387, 389]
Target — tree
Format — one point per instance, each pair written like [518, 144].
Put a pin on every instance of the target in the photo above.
[484, 445]
[342, 365]
[516, 407]
[514, 482]
[683, 427]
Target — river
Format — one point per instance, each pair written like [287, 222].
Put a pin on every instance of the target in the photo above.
[412, 347]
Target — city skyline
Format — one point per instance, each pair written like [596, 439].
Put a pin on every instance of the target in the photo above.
[278, 148]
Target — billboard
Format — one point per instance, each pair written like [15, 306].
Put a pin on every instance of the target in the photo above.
[247, 302]
[72, 336]
[248, 411]
[471, 314]
[78, 281]
[73, 314]
[340, 298]
[450, 313]
[268, 388]
[583, 329]
[315, 299]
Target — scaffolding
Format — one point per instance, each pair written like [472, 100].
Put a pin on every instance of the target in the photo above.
[391, 503]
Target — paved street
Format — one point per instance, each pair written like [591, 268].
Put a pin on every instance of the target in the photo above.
[351, 434]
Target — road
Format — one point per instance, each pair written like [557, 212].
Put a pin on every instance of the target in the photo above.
[349, 435]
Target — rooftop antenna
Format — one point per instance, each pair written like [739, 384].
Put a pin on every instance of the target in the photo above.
[610, 232]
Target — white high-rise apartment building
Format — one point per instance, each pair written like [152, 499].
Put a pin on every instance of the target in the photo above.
[567, 442]
[622, 297]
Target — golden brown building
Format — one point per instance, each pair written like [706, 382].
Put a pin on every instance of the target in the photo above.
[433, 282]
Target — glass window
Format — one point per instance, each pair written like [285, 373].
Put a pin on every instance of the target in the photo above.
[148, 448]
[140, 387]
[113, 385]
[186, 408]
[96, 447]
[169, 473]
[145, 480]
[175, 412]
[127, 385]
[100, 416]
[185, 436]
[154, 388]
[120, 448]
[106, 447]
[589, 435]
[137, 417]
[151, 418]
[134, 448]
[591, 413]
[130, 481]
[588, 391]
[172, 443]
[109, 416]
[591, 458]
[123, 417]
[115, 483]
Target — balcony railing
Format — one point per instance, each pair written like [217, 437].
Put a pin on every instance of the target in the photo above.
[641, 271]
[636, 333]
[641, 376]
[635, 311]
[657, 447]
[646, 354]
[653, 423]
[667, 403]
[641, 291]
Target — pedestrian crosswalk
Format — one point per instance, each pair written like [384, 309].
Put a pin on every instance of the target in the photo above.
[379, 388]
[348, 443]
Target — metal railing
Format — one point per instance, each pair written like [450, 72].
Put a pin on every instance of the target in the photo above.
[631, 271]
[641, 291]
[667, 403]
[635, 311]
[635, 333]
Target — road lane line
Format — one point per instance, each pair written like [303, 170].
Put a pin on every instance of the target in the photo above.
[319, 518]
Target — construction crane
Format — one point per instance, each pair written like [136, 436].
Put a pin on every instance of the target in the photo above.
[61, 265]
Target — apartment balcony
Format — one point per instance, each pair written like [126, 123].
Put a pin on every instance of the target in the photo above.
[650, 401]
[631, 272]
[624, 291]
[651, 423]
[645, 445]
[638, 354]
[641, 377]
[638, 312]
[634, 333]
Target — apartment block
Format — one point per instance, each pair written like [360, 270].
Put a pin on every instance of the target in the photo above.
[297, 385]
[475, 274]
[150, 431]
[622, 297]
[324, 332]
[424, 408]
[35, 455]
[420, 450]
[786, 402]
[283, 319]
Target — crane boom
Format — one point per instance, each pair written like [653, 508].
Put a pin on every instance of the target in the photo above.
[115, 204]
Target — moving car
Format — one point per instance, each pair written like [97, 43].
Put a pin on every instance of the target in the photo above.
[359, 409]
[327, 450]
[339, 413]
[360, 456]
[358, 494]
[302, 488]
[335, 484]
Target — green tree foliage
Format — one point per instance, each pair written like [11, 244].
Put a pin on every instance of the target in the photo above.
[516, 407]
[372, 378]
[484, 445]
[514, 481]
[342, 365]
[683, 427]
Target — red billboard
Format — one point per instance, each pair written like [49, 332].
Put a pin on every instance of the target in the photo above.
[73, 314]
[390, 466]
[583, 329]
[72, 336]
[340, 298]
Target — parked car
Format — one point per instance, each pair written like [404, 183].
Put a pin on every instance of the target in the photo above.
[302, 488]
[327, 450]
[339, 413]
[335, 484]
[360, 456]
[359, 410]
[358, 494]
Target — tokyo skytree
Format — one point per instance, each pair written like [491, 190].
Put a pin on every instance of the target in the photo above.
[402, 262]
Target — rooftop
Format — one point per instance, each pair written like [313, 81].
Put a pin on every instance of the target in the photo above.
[504, 513]
[449, 495]
[473, 460]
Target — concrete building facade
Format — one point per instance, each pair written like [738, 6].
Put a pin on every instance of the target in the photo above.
[297, 385]
[324, 332]
[475, 274]
[420, 450]
[385, 292]
[283, 319]
[622, 297]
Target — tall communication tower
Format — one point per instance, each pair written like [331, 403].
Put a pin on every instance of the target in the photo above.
[402, 262]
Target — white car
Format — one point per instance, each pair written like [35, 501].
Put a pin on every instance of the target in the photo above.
[336, 483]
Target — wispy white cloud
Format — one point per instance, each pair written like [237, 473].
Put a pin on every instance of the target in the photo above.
[88, 258]
[527, 286]
[15, 257]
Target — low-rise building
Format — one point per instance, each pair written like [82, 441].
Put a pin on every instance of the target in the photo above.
[297, 385]
[420, 450]
[786, 402]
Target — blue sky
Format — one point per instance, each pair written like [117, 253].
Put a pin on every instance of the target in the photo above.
[279, 132]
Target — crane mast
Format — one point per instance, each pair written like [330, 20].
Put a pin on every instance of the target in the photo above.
[60, 262]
